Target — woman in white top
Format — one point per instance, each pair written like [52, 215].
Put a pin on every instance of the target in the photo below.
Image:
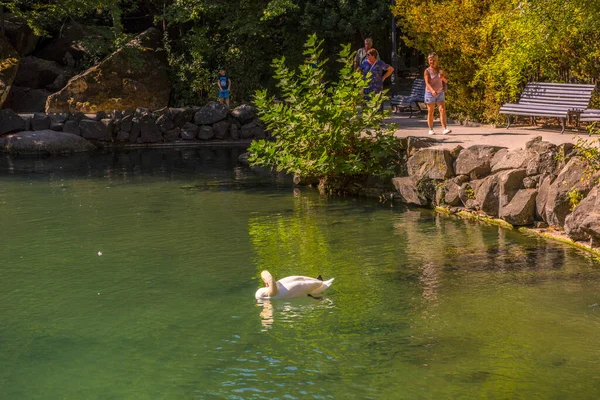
[435, 82]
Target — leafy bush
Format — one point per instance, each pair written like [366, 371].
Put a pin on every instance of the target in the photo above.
[318, 128]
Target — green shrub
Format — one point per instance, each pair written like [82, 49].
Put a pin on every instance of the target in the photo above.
[317, 127]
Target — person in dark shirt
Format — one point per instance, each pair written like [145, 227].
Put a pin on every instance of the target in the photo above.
[379, 72]
[224, 86]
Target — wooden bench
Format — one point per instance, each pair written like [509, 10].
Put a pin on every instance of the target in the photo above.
[590, 115]
[557, 100]
[416, 97]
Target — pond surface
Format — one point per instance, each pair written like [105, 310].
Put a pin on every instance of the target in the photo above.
[132, 276]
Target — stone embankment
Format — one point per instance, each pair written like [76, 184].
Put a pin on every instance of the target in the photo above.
[543, 186]
[55, 133]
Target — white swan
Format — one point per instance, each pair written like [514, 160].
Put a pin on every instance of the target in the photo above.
[291, 286]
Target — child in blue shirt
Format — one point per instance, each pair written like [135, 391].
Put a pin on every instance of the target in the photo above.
[224, 86]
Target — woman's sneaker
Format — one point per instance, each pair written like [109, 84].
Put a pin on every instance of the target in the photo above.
[446, 131]
[431, 132]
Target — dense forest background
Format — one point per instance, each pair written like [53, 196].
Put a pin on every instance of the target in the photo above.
[489, 47]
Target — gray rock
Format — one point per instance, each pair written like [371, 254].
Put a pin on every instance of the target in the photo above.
[8, 67]
[46, 142]
[254, 129]
[19, 34]
[182, 116]
[542, 156]
[206, 132]
[10, 121]
[210, 113]
[409, 193]
[126, 123]
[221, 129]
[452, 193]
[72, 126]
[475, 161]
[487, 195]
[558, 205]
[584, 222]
[431, 163]
[510, 183]
[135, 133]
[531, 182]
[133, 75]
[172, 135]
[520, 210]
[149, 131]
[515, 159]
[40, 122]
[189, 131]
[165, 123]
[542, 196]
[244, 113]
[122, 136]
[26, 100]
[93, 130]
[234, 132]
[37, 73]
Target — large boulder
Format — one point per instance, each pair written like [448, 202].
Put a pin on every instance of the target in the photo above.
[73, 43]
[542, 157]
[431, 164]
[520, 210]
[514, 159]
[37, 73]
[133, 76]
[25, 100]
[8, 67]
[409, 192]
[47, 142]
[510, 182]
[584, 222]
[211, 113]
[487, 195]
[244, 113]
[20, 35]
[558, 204]
[475, 161]
[254, 129]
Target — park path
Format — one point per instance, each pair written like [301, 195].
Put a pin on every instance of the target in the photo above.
[466, 136]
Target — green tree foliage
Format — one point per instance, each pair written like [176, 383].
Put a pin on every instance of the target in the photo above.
[315, 125]
[201, 35]
[492, 47]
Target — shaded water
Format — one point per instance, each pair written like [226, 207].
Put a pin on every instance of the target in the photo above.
[132, 276]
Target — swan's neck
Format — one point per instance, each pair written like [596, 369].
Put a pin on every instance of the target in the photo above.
[271, 284]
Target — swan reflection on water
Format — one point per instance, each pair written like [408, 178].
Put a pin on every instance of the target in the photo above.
[290, 311]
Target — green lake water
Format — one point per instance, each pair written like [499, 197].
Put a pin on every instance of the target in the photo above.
[132, 276]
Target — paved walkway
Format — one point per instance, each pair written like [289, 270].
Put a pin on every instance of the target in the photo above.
[466, 136]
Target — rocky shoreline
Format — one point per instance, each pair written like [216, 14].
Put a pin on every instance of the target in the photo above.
[61, 133]
[551, 190]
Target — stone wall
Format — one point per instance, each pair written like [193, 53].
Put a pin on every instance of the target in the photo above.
[524, 187]
[213, 121]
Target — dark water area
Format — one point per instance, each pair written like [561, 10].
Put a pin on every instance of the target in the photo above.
[132, 275]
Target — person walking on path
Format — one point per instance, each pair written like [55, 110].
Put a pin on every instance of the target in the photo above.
[379, 72]
[224, 86]
[361, 54]
[436, 81]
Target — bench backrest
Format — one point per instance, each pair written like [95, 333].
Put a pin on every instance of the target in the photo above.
[418, 89]
[571, 96]
[590, 115]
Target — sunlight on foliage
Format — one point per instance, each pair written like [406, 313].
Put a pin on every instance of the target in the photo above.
[317, 126]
